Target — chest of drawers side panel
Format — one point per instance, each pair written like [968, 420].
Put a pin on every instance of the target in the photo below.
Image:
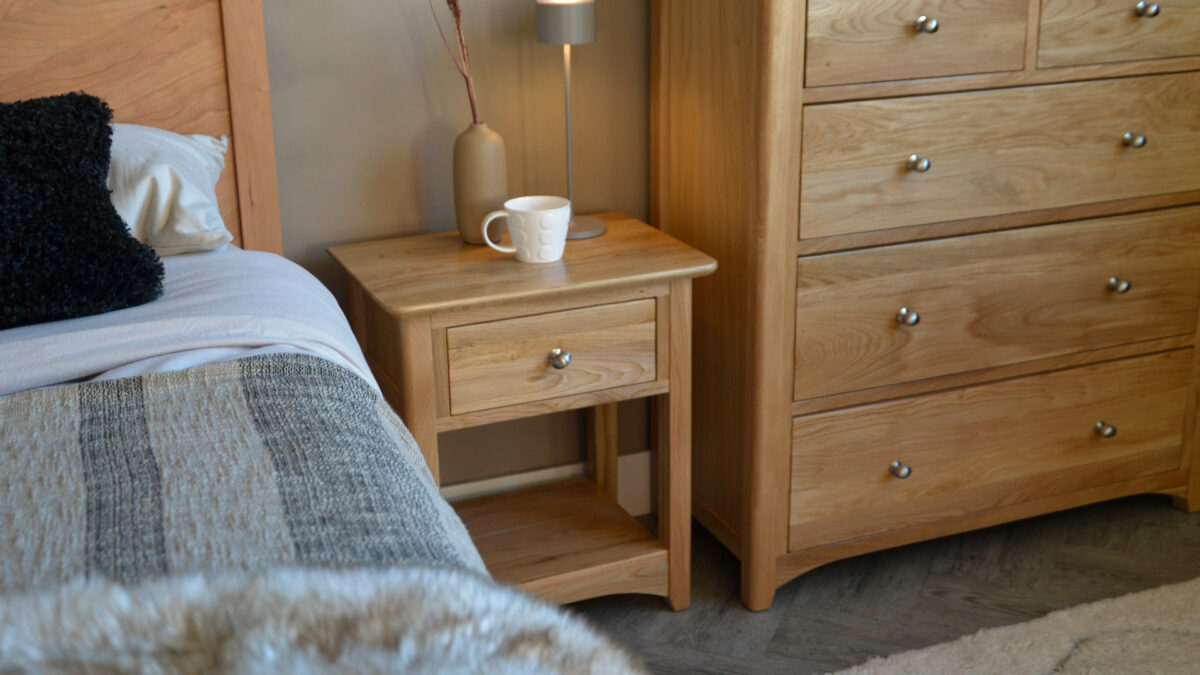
[726, 142]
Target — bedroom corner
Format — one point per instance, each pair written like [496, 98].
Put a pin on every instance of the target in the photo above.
[366, 105]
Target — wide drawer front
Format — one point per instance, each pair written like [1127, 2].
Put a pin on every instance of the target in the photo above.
[981, 447]
[853, 41]
[1076, 32]
[993, 299]
[996, 152]
[513, 361]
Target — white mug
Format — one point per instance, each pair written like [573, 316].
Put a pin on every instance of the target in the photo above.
[537, 225]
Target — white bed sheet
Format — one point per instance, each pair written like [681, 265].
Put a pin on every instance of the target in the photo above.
[216, 306]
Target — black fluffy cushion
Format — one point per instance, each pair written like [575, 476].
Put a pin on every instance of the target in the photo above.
[64, 251]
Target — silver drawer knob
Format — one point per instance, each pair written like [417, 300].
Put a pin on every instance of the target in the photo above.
[907, 317]
[928, 24]
[1117, 285]
[918, 163]
[559, 359]
[1132, 140]
[1146, 9]
[899, 469]
[1104, 430]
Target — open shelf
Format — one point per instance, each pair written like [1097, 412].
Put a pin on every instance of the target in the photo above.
[565, 541]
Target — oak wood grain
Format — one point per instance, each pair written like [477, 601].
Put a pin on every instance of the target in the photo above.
[1005, 221]
[728, 85]
[986, 446]
[996, 152]
[993, 299]
[673, 448]
[1020, 78]
[550, 405]
[565, 541]
[972, 377]
[407, 275]
[251, 131]
[804, 560]
[732, 126]
[501, 363]
[418, 406]
[602, 447]
[1075, 32]
[764, 523]
[478, 354]
[478, 313]
[191, 66]
[874, 40]
[1189, 499]
[704, 194]
[1033, 20]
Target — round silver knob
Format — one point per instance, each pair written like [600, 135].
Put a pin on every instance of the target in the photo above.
[1132, 140]
[1104, 430]
[1117, 285]
[918, 163]
[1146, 9]
[559, 359]
[899, 469]
[907, 317]
[928, 24]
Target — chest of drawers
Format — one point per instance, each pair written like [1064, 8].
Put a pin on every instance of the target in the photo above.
[959, 258]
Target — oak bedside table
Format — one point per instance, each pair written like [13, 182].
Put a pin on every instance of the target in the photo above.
[460, 336]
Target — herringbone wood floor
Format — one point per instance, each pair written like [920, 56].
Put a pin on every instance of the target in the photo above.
[846, 612]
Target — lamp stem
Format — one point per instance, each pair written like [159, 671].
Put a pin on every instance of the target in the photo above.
[567, 87]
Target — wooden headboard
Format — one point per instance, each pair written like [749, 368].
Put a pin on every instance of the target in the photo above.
[191, 66]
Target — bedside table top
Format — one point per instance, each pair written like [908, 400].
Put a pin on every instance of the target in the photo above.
[431, 272]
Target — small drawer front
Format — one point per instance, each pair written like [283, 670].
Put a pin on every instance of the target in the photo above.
[993, 299]
[851, 41]
[508, 362]
[995, 152]
[977, 448]
[1077, 32]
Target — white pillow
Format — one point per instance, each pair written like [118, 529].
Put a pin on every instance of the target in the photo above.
[164, 186]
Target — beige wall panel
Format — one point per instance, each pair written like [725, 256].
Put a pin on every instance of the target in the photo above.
[367, 104]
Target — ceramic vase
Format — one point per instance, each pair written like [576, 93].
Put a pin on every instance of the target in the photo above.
[480, 179]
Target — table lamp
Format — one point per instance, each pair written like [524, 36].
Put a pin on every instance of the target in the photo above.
[566, 23]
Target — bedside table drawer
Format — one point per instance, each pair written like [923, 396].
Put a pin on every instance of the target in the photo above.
[1077, 32]
[852, 41]
[507, 362]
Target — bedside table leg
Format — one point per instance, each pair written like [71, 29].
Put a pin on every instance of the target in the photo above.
[418, 407]
[674, 450]
[602, 446]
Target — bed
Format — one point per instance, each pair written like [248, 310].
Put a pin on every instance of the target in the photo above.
[211, 480]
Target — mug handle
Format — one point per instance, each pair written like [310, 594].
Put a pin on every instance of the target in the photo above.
[487, 220]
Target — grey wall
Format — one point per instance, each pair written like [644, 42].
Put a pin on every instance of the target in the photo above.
[367, 104]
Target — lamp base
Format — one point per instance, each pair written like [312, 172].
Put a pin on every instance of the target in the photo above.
[586, 227]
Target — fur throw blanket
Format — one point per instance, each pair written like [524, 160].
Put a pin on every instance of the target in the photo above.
[399, 620]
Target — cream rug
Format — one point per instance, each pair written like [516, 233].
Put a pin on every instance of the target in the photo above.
[1155, 631]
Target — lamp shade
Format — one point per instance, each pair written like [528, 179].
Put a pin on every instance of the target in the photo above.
[566, 22]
